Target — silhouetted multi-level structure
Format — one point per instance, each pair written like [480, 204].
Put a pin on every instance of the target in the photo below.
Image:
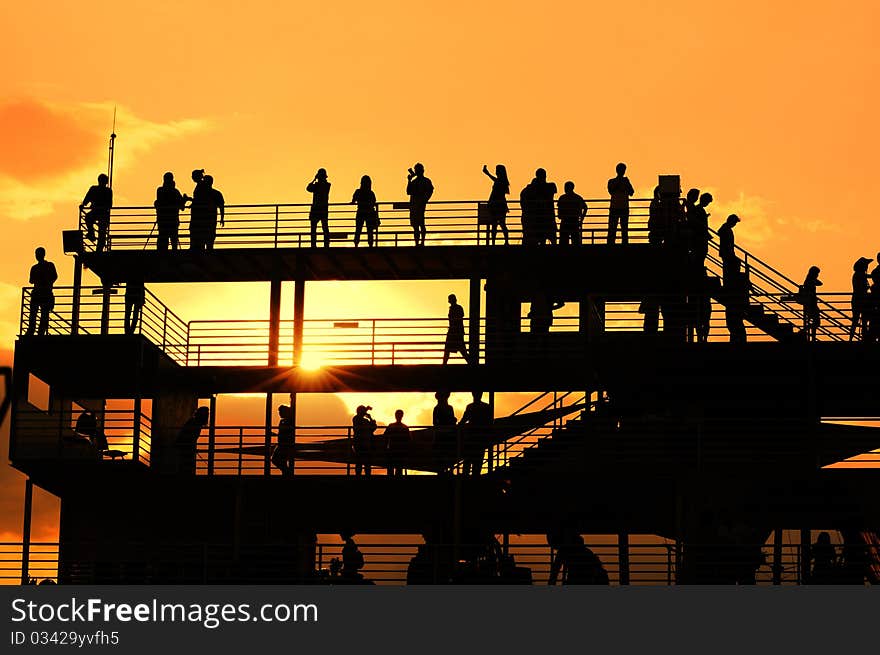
[718, 451]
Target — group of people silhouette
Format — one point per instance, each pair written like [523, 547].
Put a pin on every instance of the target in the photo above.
[537, 199]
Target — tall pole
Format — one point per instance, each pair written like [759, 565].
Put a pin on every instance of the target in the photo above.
[110, 153]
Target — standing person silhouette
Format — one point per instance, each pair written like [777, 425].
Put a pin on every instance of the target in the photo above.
[363, 427]
[135, 296]
[43, 277]
[214, 204]
[168, 204]
[727, 246]
[319, 187]
[698, 226]
[455, 333]
[99, 198]
[498, 203]
[187, 440]
[198, 212]
[620, 190]
[572, 211]
[859, 301]
[444, 422]
[397, 441]
[367, 212]
[283, 456]
[419, 189]
[810, 300]
[477, 419]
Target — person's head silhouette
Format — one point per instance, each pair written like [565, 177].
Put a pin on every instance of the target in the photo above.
[477, 395]
[366, 182]
[208, 181]
[40, 253]
[452, 299]
[501, 172]
[541, 175]
[168, 179]
[321, 174]
[419, 170]
[398, 415]
[569, 187]
[202, 414]
[284, 411]
[103, 180]
[198, 174]
[861, 265]
[657, 192]
[705, 199]
[732, 220]
[621, 169]
[442, 396]
[693, 195]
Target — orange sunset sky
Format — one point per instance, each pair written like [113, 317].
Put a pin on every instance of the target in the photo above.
[769, 105]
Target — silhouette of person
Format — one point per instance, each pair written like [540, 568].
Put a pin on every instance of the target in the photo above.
[691, 198]
[620, 190]
[541, 313]
[397, 440]
[703, 302]
[352, 558]
[497, 203]
[698, 227]
[198, 212]
[87, 427]
[444, 421]
[810, 300]
[135, 296]
[42, 278]
[574, 560]
[419, 189]
[283, 455]
[319, 187]
[367, 212]
[736, 295]
[214, 204]
[874, 303]
[825, 561]
[168, 204]
[657, 220]
[477, 419]
[572, 211]
[859, 301]
[99, 198]
[726, 246]
[455, 332]
[187, 439]
[363, 427]
[542, 208]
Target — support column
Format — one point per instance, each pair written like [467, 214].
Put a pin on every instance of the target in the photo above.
[274, 321]
[267, 461]
[777, 557]
[299, 298]
[77, 292]
[26, 531]
[623, 557]
[212, 432]
[136, 431]
[474, 321]
[106, 290]
[806, 556]
[293, 431]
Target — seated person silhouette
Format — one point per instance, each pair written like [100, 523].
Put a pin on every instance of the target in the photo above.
[87, 427]
[352, 560]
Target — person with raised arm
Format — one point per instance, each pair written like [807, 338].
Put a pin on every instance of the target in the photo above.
[419, 189]
[497, 203]
[319, 187]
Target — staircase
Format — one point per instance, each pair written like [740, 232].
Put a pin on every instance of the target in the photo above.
[772, 305]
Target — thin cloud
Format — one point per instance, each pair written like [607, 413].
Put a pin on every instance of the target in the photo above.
[55, 147]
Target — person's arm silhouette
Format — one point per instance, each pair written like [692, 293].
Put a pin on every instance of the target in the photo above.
[488, 174]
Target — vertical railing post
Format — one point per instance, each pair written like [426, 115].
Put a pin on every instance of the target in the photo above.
[77, 291]
[474, 321]
[26, 531]
[623, 557]
[299, 293]
[777, 557]
[373, 344]
[240, 446]
[136, 430]
[350, 452]
[276, 226]
[105, 309]
[212, 432]
[164, 326]
[267, 469]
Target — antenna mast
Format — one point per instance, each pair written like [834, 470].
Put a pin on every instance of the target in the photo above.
[111, 149]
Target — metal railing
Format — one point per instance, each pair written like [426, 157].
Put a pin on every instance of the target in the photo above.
[523, 559]
[393, 341]
[55, 435]
[452, 222]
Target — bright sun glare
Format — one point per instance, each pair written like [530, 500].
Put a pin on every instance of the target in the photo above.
[311, 361]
